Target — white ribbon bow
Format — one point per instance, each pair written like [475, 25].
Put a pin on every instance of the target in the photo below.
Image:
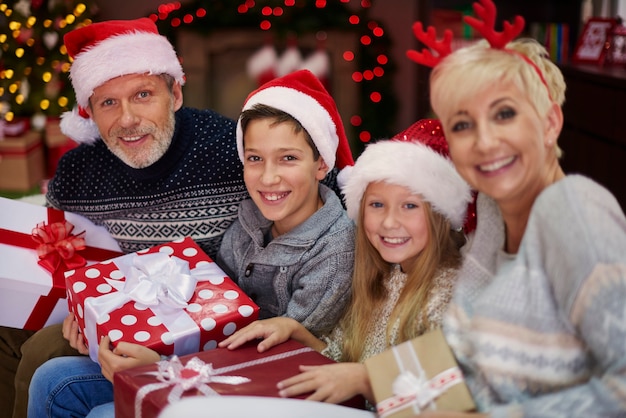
[409, 385]
[196, 374]
[157, 279]
[409, 389]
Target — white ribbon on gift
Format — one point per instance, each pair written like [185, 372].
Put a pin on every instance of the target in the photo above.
[410, 390]
[164, 284]
[170, 372]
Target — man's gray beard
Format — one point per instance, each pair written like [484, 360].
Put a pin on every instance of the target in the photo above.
[163, 140]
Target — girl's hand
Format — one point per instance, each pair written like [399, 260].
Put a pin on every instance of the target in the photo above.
[123, 356]
[332, 383]
[273, 331]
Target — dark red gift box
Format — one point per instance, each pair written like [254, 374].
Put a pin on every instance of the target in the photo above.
[139, 393]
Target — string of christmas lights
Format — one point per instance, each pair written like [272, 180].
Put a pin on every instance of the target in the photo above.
[283, 18]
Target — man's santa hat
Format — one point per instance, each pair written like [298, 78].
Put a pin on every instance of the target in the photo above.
[302, 95]
[417, 159]
[105, 50]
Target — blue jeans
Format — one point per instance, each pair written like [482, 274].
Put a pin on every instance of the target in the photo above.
[70, 387]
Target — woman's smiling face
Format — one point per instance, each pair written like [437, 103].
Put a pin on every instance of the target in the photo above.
[498, 142]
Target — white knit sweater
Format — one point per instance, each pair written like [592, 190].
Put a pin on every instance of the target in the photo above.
[543, 333]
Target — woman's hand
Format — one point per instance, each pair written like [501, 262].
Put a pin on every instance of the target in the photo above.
[273, 331]
[71, 332]
[332, 383]
[123, 356]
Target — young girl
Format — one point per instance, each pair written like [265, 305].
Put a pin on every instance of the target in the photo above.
[409, 204]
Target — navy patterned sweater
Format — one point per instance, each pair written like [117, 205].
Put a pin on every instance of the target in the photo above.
[193, 190]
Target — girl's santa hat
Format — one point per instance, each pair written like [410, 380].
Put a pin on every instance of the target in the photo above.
[105, 50]
[302, 95]
[417, 159]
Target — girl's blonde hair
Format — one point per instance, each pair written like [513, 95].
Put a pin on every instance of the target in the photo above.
[469, 70]
[368, 284]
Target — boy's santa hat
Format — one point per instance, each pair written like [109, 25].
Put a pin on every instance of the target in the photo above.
[105, 50]
[302, 95]
[417, 159]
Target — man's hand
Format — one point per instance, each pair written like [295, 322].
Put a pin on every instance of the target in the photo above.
[123, 356]
[273, 331]
[72, 333]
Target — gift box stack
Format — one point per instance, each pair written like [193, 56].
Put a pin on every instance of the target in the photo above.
[171, 298]
[143, 392]
[22, 165]
[57, 144]
[37, 245]
[417, 375]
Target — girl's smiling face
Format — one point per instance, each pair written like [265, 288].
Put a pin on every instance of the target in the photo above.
[395, 222]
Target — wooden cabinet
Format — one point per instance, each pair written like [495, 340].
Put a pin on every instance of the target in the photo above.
[594, 132]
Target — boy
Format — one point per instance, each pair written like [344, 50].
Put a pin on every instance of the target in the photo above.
[292, 247]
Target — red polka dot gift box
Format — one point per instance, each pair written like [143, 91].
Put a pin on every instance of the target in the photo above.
[171, 298]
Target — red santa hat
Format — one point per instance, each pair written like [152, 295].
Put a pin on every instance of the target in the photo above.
[105, 50]
[303, 96]
[417, 159]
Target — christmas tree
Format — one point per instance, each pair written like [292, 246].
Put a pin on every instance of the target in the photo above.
[34, 65]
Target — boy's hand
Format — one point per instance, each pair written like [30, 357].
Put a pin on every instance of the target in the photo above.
[273, 331]
[123, 356]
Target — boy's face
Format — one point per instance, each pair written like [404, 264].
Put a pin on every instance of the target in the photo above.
[280, 174]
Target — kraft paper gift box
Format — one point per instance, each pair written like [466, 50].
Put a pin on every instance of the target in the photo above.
[142, 392]
[421, 374]
[171, 298]
[32, 288]
[21, 162]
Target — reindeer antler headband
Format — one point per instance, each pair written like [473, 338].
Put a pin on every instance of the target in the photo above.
[484, 9]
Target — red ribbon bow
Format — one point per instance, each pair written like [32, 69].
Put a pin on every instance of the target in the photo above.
[57, 247]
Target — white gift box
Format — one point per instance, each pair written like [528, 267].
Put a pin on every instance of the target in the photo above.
[24, 284]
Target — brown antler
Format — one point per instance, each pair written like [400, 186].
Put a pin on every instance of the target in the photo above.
[486, 26]
[429, 38]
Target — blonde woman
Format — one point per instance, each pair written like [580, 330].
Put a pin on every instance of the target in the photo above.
[537, 320]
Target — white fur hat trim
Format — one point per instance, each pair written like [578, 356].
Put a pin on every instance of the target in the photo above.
[413, 165]
[306, 110]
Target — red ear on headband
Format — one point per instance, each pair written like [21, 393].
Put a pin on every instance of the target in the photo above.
[486, 26]
[486, 10]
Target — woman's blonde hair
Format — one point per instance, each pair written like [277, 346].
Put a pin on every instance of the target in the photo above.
[469, 70]
[368, 284]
